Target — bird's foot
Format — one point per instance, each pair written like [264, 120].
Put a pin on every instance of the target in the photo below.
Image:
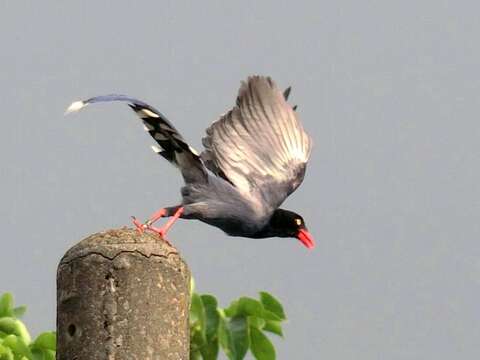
[162, 232]
[147, 226]
[140, 227]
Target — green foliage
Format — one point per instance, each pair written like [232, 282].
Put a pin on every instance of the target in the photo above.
[236, 329]
[15, 340]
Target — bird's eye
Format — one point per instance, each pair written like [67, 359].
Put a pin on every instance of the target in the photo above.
[298, 222]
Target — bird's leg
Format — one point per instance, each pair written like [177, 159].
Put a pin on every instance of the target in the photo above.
[164, 229]
[140, 227]
[163, 212]
[157, 215]
[174, 211]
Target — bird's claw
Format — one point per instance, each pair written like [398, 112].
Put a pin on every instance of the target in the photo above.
[160, 232]
[140, 227]
[147, 226]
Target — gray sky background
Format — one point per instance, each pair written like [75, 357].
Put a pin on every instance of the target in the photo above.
[389, 90]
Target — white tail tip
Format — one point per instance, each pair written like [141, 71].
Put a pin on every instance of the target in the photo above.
[75, 106]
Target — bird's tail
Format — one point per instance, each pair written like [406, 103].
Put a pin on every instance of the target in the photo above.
[172, 146]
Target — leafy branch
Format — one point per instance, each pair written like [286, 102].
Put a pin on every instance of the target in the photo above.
[15, 340]
[236, 329]
[240, 327]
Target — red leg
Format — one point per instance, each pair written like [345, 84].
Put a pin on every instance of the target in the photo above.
[164, 229]
[140, 227]
[157, 215]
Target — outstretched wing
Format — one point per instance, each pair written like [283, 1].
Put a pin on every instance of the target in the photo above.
[260, 145]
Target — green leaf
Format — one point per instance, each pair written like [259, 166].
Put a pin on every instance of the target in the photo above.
[14, 326]
[234, 337]
[272, 304]
[19, 311]
[210, 350]
[274, 327]
[212, 318]
[197, 315]
[8, 325]
[225, 339]
[50, 355]
[18, 346]
[6, 353]
[257, 322]
[195, 355]
[268, 315]
[248, 306]
[261, 346]
[43, 354]
[6, 305]
[196, 342]
[240, 336]
[231, 311]
[46, 341]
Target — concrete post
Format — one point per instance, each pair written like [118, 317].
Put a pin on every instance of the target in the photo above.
[122, 295]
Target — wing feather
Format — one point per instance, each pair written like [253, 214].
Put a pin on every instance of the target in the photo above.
[259, 146]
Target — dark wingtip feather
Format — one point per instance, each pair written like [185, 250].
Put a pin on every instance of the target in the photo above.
[286, 93]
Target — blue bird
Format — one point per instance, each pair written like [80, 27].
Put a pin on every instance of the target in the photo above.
[255, 156]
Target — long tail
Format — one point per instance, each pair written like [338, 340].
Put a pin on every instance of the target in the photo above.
[172, 145]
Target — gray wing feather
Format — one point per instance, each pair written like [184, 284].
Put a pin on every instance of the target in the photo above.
[260, 145]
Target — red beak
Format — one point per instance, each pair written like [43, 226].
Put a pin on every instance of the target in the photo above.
[304, 236]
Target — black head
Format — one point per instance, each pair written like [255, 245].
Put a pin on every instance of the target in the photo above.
[286, 223]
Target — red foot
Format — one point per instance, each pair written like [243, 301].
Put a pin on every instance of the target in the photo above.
[140, 227]
[160, 231]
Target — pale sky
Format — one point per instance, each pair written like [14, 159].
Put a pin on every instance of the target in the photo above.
[389, 91]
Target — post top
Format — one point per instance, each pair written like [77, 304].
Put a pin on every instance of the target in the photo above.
[110, 243]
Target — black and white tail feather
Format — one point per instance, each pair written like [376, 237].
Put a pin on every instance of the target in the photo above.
[172, 146]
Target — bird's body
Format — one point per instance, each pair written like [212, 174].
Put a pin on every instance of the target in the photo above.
[255, 156]
[219, 203]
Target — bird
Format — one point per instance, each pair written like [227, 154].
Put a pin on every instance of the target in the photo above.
[255, 155]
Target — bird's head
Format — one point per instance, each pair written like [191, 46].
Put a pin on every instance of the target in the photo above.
[289, 224]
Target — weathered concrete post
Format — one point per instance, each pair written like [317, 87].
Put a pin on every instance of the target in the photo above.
[122, 295]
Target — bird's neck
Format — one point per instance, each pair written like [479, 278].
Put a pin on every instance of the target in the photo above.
[275, 226]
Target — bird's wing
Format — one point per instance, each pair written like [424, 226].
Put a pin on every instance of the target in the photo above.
[260, 145]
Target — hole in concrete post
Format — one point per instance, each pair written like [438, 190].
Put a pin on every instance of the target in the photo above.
[71, 330]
